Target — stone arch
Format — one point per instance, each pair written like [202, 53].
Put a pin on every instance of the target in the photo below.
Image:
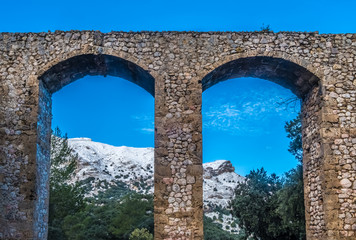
[57, 75]
[64, 72]
[306, 83]
[294, 74]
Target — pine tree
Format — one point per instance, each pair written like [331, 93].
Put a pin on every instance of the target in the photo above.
[291, 196]
[65, 198]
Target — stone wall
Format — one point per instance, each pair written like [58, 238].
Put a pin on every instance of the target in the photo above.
[176, 67]
[312, 164]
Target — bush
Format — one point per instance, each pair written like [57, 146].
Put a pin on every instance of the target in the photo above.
[213, 231]
[141, 234]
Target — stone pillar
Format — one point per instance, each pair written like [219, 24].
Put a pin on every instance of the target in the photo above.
[18, 146]
[313, 165]
[178, 157]
[339, 141]
[43, 162]
[329, 163]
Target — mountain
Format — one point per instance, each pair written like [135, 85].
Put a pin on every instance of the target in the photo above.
[102, 165]
[220, 181]
[105, 163]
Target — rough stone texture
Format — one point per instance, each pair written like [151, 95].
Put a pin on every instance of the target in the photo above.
[176, 67]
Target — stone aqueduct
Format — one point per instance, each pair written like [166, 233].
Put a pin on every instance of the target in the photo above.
[175, 67]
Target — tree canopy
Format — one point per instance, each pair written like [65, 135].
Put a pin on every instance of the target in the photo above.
[269, 207]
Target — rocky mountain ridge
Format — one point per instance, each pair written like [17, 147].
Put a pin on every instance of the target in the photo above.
[105, 164]
[135, 165]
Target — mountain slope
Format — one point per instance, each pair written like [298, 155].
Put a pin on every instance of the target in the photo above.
[109, 163]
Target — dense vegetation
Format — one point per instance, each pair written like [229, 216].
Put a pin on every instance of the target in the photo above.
[114, 220]
[214, 231]
[269, 207]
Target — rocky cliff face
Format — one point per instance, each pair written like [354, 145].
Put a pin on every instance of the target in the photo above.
[220, 181]
[216, 168]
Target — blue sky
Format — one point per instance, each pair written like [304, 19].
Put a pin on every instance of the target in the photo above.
[241, 120]
[107, 109]
[325, 16]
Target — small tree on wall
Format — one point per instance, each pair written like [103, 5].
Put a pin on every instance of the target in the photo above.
[266, 28]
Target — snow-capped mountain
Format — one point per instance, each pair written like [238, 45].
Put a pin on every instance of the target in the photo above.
[132, 165]
[135, 166]
[109, 163]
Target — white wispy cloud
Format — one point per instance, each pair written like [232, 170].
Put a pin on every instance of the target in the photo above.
[247, 111]
[147, 130]
[239, 110]
[143, 117]
[146, 123]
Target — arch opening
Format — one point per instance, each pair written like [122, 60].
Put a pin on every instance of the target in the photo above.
[54, 79]
[299, 80]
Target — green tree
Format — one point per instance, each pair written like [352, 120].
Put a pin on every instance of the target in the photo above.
[255, 203]
[114, 220]
[64, 198]
[63, 159]
[141, 234]
[291, 203]
[269, 208]
[291, 196]
[135, 211]
[294, 133]
[92, 223]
